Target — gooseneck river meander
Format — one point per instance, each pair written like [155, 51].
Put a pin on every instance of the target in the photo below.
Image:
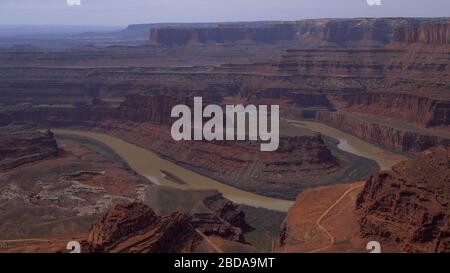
[150, 165]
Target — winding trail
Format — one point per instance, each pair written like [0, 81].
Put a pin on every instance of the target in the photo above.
[326, 212]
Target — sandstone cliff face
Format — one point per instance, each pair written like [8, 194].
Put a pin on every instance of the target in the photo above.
[155, 109]
[355, 30]
[385, 30]
[408, 107]
[135, 108]
[409, 206]
[406, 69]
[136, 228]
[222, 34]
[19, 145]
[406, 81]
[434, 33]
[220, 217]
[413, 68]
[343, 32]
[392, 137]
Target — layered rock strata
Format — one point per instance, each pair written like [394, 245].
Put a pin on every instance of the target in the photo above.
[409, 206]
[19, 146]
[394, 136]
[137, 228]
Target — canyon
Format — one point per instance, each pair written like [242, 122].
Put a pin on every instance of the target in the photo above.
[384, 80]
[392, 68]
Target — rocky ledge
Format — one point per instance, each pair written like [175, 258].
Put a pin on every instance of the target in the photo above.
[19, 146]
[136, 228]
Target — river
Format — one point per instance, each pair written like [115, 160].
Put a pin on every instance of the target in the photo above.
[354, 145]
[150, 165]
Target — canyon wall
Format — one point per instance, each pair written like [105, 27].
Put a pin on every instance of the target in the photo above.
[414, 70]
[423, 111]
[409, 206]
[222, 34]
[392, 137]
[136, 108]
[433, 33]
[342, 32]
[136, 228]
[19, 145]
[70, 77]
[302, 73]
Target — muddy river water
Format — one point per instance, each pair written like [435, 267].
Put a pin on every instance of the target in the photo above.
[150, 165]
[354, 145]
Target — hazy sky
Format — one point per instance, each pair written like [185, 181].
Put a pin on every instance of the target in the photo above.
[124, 12]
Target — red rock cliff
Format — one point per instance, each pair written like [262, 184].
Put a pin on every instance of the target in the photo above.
[435, 33]
[21, 145]
[408, 107]
[222, 35]
[383, 134]
[409, 207]
[136, 228]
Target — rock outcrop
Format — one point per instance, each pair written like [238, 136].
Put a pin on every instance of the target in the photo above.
[62, 189]
[136, 228]
[343, 32]
[227, 211]
[20, 145]
[410, 206]
[155, 109]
